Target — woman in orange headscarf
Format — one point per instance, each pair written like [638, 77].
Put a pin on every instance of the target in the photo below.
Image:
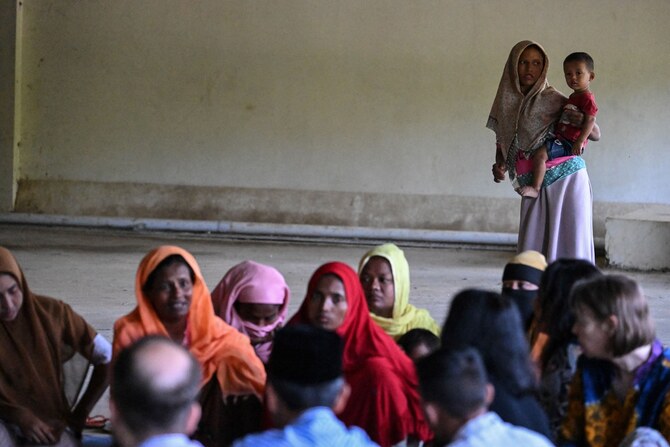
[384, 387]
[173, 300]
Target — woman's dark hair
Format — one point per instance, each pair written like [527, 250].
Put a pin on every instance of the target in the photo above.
[555, 317]
[170, 260]
[622, 297]
[490, 323]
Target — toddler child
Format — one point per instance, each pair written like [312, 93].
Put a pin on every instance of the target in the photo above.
[570, 140]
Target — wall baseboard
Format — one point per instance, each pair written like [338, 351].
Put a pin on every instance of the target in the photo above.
[280, 206]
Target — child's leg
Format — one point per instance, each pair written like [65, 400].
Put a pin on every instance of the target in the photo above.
[539, 169]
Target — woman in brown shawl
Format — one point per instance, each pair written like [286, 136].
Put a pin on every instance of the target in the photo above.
[37, 336]
[558, 223]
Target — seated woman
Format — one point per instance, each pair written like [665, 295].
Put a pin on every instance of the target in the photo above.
[253, 298]
[384, 274]
[555, 349]
[623, 376]
[521, 281]
[173, 300]
[39, 334]
[384, 389]
[491, 323]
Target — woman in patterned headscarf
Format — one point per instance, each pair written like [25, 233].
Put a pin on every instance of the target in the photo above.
[558, 223]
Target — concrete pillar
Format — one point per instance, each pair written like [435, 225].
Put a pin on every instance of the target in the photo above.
[9, 93]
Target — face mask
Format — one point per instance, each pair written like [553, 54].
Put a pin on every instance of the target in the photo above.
[525, 302]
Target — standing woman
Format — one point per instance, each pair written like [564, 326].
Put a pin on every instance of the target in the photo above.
[558, 223]
[173, 301]
[384, 387]
[622, 380]
[253, 298]
[384, 274]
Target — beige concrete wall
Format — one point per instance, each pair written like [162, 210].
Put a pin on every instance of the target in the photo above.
[348, 97]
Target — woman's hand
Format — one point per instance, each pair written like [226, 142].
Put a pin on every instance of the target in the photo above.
[37, 431]
[498, 170]
[499, 167]
[575, 118]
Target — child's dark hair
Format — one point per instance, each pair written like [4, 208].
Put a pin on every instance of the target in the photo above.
[417, 337]
[581, 57]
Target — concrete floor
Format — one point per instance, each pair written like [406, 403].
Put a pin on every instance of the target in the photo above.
[94, 270]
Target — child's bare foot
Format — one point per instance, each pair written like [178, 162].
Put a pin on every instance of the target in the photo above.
[528, 191]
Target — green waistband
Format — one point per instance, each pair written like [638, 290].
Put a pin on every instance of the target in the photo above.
[558, 172]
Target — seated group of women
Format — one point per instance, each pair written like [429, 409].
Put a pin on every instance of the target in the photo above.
[253, 299]
[585, 369]
[619, 383]
[229, 332]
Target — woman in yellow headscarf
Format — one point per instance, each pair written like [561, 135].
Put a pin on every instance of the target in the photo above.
[384, 275]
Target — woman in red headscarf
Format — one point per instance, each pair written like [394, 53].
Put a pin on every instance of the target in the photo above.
[384, 388]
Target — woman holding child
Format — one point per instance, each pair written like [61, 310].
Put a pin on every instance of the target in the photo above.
[558, 223]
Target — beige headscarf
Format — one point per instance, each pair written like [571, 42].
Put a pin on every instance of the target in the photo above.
[405, 316]
[520, 121]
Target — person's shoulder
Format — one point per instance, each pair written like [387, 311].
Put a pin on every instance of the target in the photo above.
[170, 440]
[51, 305]
[500, 433]
[358, 437]
[270, 438]
[526, 437]
[129, 319]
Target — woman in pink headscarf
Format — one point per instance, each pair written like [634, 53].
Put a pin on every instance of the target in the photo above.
[253, 298]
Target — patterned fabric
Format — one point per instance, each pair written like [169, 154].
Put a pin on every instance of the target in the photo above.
[405, 316]
[597, 417]
[554, 385]
[522, 121]
[556, 172]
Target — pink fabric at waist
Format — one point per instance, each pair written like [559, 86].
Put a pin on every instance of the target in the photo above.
[524, 166]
